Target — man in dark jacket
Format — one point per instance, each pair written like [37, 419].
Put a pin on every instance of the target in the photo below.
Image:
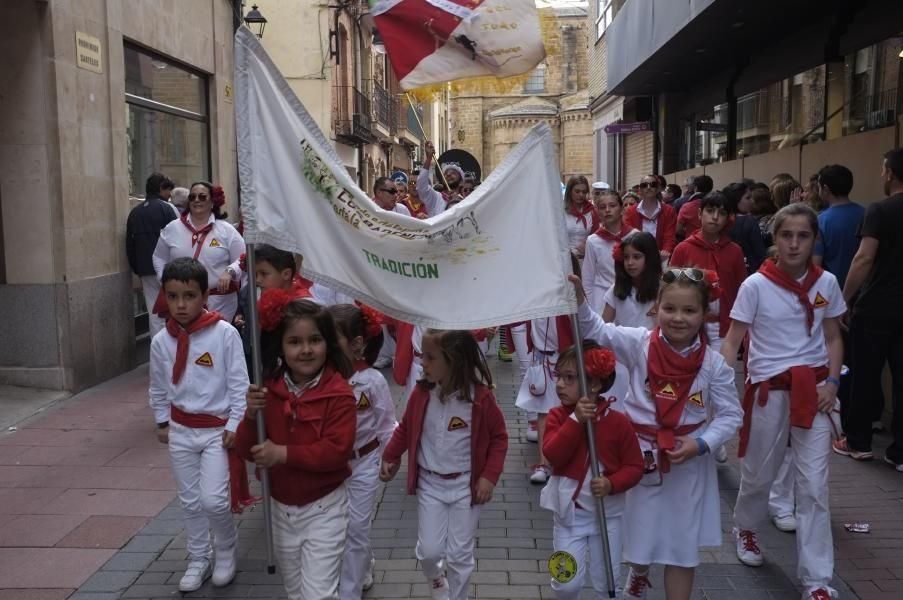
[142, 230]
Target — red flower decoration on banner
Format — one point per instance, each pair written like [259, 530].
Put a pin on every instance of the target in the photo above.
[271, 308]
[617, 253]
[218, 195]
[373, 321]
[599, 363]
[711, 281]
[243, 262]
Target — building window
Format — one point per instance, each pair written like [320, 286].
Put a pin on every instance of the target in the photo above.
[605, 14]
[536, 83]
[168, 122]
[871, 86]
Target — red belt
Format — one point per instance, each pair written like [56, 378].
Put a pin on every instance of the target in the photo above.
[653, 433]
[800, 382]
[442, 475]
[194, 420]
[365, 449]
[233, 289]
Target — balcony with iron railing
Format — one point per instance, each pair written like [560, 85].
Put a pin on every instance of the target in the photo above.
[871, 112]
[351, 115]
[384, 116]
[409, 130]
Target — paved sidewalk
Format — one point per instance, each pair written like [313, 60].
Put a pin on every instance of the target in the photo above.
[109, 527]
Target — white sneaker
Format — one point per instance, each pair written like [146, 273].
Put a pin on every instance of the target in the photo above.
[821, 593]
[532, 432]
[748, 551]
[785, 523]
[368, 576]
[636, 584]
[439, 589]
[223, 567]
[540, 474]
[721, 455]
[195, 575]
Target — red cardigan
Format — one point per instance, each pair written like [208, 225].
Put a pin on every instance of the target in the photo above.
[725, 258]
[665, 229]
[564, 446]
[488, 439]
[318, 430]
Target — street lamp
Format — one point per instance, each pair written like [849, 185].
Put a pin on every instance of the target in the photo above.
[255, 21]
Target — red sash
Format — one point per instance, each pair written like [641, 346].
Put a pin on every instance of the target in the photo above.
[801, 382]
[239, 490]
[777, 276]
[671, 376]
[183, 338]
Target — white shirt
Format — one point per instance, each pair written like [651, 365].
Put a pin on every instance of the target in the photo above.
[432, 200]
[714, 383]
[222, 247]
[445, 442]
[375, 410]
[650, 223]
[629, 312]
[402, 209]
[598, 270]
[215, 380]
[577, 231]
[778, 334]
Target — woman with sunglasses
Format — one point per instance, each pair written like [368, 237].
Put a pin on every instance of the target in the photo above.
[791, 311]
[203, 233]
[654, 216]
[674, 377]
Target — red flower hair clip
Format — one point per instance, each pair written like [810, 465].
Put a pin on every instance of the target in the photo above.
[218, 195]
[271, 308]
[617, 253]
[711, 281]
[599, 363]
[373, 320]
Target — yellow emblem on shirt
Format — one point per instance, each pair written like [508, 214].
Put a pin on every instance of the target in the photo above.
[363, 402]
[204, 360]
[562, 567]
[456, 423]
[667, 390]
[820, 301]
[697, 399]
[214, 243]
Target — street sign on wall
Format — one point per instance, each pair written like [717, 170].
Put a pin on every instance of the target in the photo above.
[623, 128]
[706, 126]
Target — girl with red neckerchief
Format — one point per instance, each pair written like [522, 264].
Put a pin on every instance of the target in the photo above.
[598, 263]
[582, 218]
[674, 377]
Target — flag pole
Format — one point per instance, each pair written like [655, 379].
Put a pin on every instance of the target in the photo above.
[257, 372]
[594, 459]
[423, 132]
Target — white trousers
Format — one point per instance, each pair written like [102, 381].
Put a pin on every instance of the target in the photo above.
[583, 541]
[226, 305]
[201, 469]
[309, 541]
[414, 375]
[151, 287]
[809, 452]
[362, 487]
[387, 350]
[447, 525]
[524, 358]
[780, 498]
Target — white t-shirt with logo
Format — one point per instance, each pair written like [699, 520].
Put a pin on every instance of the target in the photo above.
[778, 334]
[445, 441]
[629, 312]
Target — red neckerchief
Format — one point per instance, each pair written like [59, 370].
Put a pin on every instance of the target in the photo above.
[614, 237]
[670, 377]
[713, 249]
[301, 287]
[361, 365]
[197, 235]
[588, 209]
[331, 385]
[774, 274]
[183, 339]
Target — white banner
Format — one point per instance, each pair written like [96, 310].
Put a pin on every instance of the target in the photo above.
[499, 256]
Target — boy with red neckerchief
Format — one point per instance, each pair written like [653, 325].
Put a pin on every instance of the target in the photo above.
[598, 263]
[198, 382]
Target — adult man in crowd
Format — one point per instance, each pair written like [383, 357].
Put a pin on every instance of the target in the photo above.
[876, 326]
[688, 220]
[688, 190]
[142, 229]
[385, 194]
[436, 202]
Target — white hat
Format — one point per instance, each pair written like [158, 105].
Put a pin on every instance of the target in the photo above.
[454, 167]
[601, 185]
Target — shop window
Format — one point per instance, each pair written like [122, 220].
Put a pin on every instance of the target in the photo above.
[605, 14]
[168, 122]
[871, 84]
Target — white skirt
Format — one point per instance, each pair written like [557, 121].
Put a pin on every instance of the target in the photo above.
[537, 391]
[667, 524]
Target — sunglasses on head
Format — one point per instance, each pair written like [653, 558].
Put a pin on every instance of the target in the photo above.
[672, 275]
[200, 197]
[648, 184]
[392, 191]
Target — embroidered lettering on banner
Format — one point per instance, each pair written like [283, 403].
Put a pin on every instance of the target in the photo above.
[456, 423]
[363, 402]
[214, 243]
[204, 360]
[697, 399]
[820, 301]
